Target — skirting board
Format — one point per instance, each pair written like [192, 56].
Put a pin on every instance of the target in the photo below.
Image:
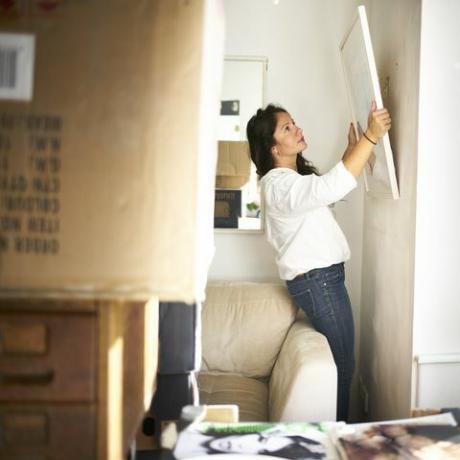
[436, 381]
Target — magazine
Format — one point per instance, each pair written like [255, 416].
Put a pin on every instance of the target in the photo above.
[297, 441]
[431, 437]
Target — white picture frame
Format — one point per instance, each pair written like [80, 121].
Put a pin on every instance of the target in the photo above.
[362, 82]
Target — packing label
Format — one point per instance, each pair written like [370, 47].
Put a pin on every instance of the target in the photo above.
[30, 183]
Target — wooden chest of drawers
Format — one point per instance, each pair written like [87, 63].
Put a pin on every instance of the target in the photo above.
[48, 357]
[75, 376]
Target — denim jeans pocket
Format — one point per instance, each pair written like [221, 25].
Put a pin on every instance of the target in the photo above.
[323, 292]
[333, 275]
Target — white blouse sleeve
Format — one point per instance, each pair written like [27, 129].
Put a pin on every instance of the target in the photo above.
[291, 192]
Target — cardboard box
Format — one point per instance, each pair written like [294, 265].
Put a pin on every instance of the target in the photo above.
[227, 208]
[92, 164]
[233, 166]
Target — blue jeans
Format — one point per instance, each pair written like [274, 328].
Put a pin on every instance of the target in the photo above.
[322, 295]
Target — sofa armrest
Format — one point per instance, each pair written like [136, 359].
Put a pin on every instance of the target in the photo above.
[303, 383]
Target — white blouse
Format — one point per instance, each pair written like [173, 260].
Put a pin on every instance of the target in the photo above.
[298, 222]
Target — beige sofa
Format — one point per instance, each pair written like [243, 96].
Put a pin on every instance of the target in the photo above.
[264, 356]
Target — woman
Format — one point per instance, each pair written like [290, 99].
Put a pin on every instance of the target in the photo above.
[278, 445]
[310, 246]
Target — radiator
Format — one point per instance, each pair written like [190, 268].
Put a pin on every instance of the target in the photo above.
[436, 381]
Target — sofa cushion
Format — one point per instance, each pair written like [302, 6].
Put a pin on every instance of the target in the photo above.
[250, 395]
[244, 326]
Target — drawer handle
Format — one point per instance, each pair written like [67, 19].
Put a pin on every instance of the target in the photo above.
[42, 378]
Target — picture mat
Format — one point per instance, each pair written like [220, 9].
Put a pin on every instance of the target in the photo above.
[362, 87]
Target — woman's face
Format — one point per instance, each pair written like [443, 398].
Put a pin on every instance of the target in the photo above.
[288, 137]
[249, 444]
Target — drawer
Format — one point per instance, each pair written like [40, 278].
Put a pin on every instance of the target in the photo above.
[66, 432]
[48, 357]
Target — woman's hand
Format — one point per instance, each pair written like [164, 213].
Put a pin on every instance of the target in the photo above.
[356, 157]
[378, 123]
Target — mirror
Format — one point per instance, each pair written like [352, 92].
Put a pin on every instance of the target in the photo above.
[237, 205]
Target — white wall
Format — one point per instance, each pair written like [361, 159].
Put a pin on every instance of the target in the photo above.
[389, 226]
[243, 257]
[437, 307]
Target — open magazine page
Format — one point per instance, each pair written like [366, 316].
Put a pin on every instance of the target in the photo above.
[297, 441]
[430, 438]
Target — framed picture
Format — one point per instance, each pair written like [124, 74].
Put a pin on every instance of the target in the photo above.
[363, 87]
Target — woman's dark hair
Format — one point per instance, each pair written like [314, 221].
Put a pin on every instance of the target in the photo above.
[259, 131]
